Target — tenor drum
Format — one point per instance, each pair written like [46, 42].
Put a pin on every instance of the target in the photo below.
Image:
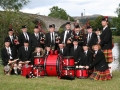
[26, 69]
[52, 65]
[68, 61]
[81, 73]
[38, 71]
[38, 60]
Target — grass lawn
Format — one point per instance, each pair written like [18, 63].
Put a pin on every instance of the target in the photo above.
[116, 39]
[53, 83]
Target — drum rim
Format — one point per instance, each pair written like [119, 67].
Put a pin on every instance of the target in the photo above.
[68, 57]
[38, 56]
[70, 68]
[80, 68]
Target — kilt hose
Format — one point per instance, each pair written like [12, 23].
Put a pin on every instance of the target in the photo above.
[108, 55]
[101, 75]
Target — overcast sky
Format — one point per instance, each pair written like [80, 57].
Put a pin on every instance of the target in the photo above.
[73, 7]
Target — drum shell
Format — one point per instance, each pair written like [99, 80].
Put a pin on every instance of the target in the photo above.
[68, 71]
[39, 61]
[38, 71]
[81, 73]
[68, 61]
[26, 70]
[52, 65]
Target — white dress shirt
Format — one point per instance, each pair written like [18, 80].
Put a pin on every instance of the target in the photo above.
[65, 35]
[52, 38]
[9, 52]
[105, 27]
[26, 35]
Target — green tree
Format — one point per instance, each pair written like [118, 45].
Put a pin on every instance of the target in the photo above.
[96, 23]
[12, 5]
[118, 10]
[57, 12]
[12, 16]
[92, 23]
[116, 20]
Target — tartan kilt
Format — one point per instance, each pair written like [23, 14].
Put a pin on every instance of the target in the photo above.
[101, 75]
[108, 55]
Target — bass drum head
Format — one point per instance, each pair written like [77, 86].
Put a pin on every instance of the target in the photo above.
[52, 65]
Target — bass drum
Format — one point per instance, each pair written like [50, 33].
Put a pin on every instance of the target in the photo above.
[52, 65]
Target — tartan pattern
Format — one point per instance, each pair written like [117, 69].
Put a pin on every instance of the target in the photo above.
[102, 76]
[108, 55]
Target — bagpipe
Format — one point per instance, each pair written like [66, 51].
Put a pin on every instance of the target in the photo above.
[8, 68]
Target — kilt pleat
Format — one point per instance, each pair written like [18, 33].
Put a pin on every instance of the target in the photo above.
[102, 76]
[108, 55]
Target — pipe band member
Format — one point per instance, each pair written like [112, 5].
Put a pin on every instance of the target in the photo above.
[8, 55]
[101, 69]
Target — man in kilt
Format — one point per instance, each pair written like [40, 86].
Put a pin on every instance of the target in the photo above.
[105, 41]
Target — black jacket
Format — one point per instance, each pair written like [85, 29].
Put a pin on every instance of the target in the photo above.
[68, 36]
[76, 53]
[64, 53]
[106, 39]
[80, 39]
[21, 38]
[34, 42]
[93, 40]
[48, 40]
[86, 59]
[5, 56]
[99, 62]
[23, 55]
[12, 44]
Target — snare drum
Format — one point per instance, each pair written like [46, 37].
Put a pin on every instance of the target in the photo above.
[38, 71]
[68, 71]
[26, 69]
[38, 60]
[81, 73]
[68, 61]
[52, 65]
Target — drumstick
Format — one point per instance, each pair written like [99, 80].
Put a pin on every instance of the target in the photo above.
[14, 61]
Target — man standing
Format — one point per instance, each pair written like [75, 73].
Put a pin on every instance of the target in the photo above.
[35, 38]
[79, 35]
[91, 38]
[106, 41]
[23, 36]
[66, 34]
[12, 39]
[51, 37]
[66, 37]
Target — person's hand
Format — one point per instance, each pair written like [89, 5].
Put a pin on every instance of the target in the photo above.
[87, 67]
[42, 42]
[99, 41]
[76, 62]
[57, 41]
[10, 61]
[68, 41]
[27, 62]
